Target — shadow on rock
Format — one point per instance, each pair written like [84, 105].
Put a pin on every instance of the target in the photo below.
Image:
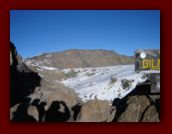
[121, 105]
[157, 105]
[21, 114]
[22, 80]
[58, 111]
[40, 107]
[76, 110]
[140, 90]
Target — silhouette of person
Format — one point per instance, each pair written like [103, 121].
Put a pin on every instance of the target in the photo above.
[55, 114]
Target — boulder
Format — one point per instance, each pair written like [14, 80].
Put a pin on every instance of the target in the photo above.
[136, 105]
[139, 108]
[126, 83]
[96, 111]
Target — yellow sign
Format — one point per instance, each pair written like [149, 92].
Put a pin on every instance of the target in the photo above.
[151, 64]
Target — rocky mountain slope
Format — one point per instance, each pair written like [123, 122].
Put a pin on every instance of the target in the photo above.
[52, 92]
[80, 58]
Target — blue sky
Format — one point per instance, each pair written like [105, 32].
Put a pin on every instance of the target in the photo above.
[37, 31]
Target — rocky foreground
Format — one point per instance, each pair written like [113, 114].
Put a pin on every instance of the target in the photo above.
[39, 98]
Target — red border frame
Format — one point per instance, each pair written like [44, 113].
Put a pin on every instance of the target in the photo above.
[27, 128]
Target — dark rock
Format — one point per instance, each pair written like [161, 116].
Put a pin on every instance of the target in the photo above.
[113, 80]
[23, 81]
[126, 83]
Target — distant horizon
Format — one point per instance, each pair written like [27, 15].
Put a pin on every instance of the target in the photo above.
[35, 32]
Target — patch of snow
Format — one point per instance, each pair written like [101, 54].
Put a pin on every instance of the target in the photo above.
[46, 68]
[66, 70]
[39, 66]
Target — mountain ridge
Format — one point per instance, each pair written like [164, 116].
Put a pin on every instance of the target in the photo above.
[75, 49]
[74, 58]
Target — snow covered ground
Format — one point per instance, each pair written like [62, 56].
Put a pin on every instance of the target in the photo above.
[104, 83]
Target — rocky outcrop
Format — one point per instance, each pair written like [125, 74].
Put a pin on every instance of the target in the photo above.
[138, 106]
